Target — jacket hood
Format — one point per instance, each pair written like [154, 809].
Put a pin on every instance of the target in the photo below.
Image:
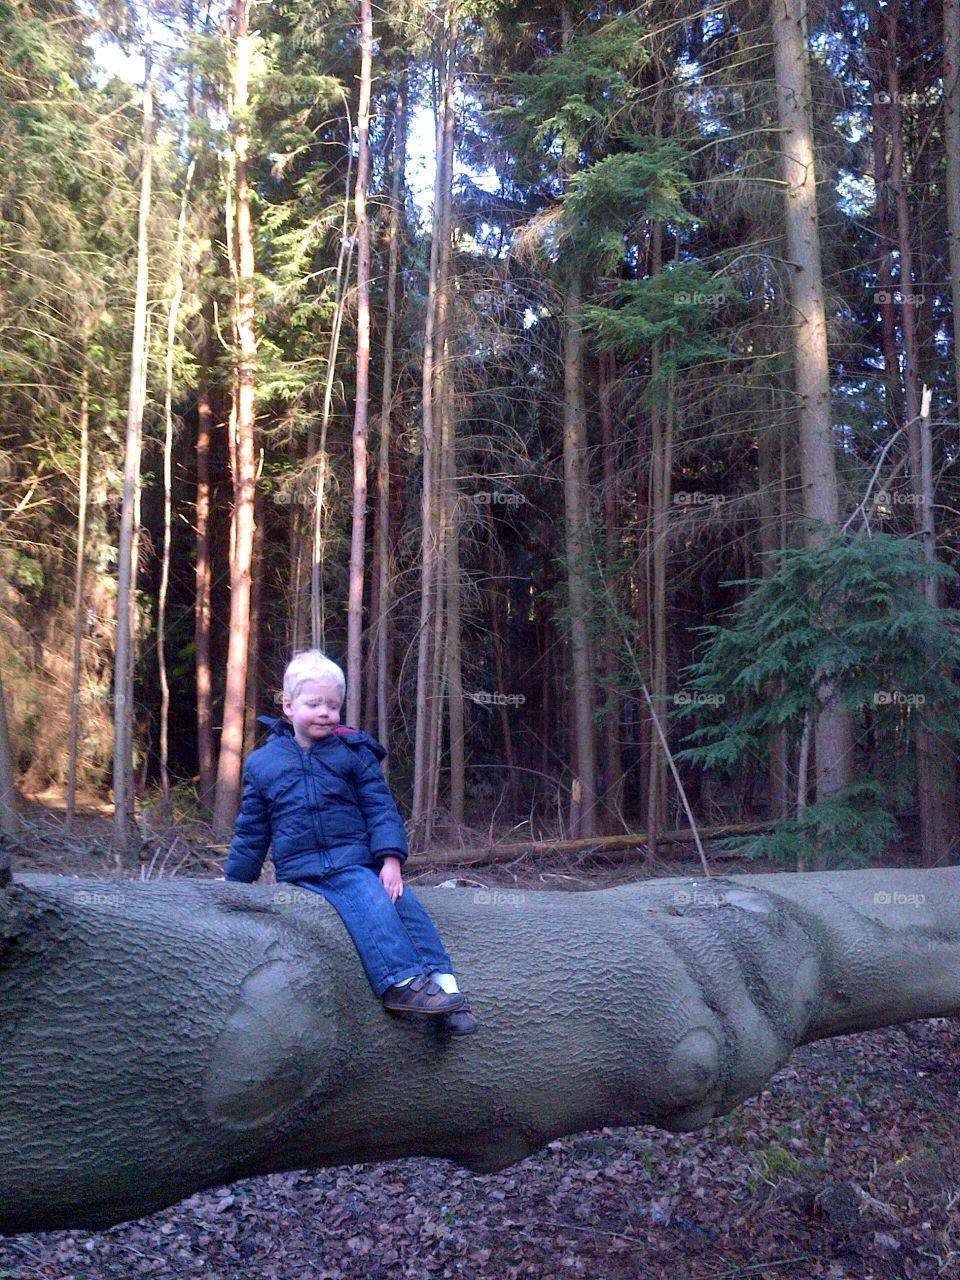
[346, 733]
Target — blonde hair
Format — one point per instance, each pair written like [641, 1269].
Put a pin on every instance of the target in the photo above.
[311, 665]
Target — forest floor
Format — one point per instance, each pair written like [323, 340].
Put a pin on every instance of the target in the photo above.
[847, 1167]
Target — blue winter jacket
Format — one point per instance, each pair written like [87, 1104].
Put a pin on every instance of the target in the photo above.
[318, 810]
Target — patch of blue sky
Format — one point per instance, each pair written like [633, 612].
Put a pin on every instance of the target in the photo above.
[856, 193]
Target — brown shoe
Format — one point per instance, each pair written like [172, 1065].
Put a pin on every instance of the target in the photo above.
[460, 1022]
[420, 995]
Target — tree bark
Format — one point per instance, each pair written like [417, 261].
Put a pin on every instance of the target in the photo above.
[227, 795]
[123, 786]
[951, 103]
[448, 447]
[9, 815]
[431, 581]
[936, 765]
[386, 408]
[236, 1034]
[203, 604]
[358, 534]
[577, 515]
[79, 569]
[612, 760]
[834, 731]
[168, 493]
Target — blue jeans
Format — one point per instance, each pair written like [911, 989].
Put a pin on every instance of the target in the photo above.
[395, 940]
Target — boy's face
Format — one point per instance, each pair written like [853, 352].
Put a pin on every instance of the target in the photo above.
[314, 711]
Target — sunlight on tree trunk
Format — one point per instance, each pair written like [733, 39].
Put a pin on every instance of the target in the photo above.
[78, 607]
[227, 797]
[124, 827]
[358, 537]
[833, 732]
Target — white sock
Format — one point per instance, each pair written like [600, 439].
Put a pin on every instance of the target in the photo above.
[404, 982]
[445, 981]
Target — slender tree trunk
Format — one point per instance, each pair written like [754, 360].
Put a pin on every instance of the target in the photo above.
[613, 765]
[833, 732]
[168, 495]
[427, 687]
[661, 465]
[951, 103]
[204, 574]
[78, 610]
[123, 782]
[770, 484]
[879, 135]
[577, 515]
[936, 766]
[358, 537]
[386, 409]
[495, 576]
[227, 797]
[251, 697]
[344, 259]
[448, 446]
[9, 816]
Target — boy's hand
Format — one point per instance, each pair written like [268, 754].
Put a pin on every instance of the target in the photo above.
[390, 877]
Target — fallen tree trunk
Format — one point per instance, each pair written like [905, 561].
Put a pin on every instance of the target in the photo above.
[161, 1037]
[630, 840]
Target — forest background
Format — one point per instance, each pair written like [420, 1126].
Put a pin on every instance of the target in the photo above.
[622, 481]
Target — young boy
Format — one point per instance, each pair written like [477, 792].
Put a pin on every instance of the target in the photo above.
[315, 793]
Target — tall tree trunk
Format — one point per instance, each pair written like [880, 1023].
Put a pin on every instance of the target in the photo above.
[659, 508]
[204, 573]
[951, 104]
[251, 697]
[495, 576]
[448, 445]
[123, 783]
[834, 731]
[879, 134]
[769, 460]
[430, 580]
[78, 610]
[344, 259]
[227, 796]
[386, 408]
[936, 766]
[577, 515]
[612, 762]
[358, 536]
[9, 815]
[168, 495]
